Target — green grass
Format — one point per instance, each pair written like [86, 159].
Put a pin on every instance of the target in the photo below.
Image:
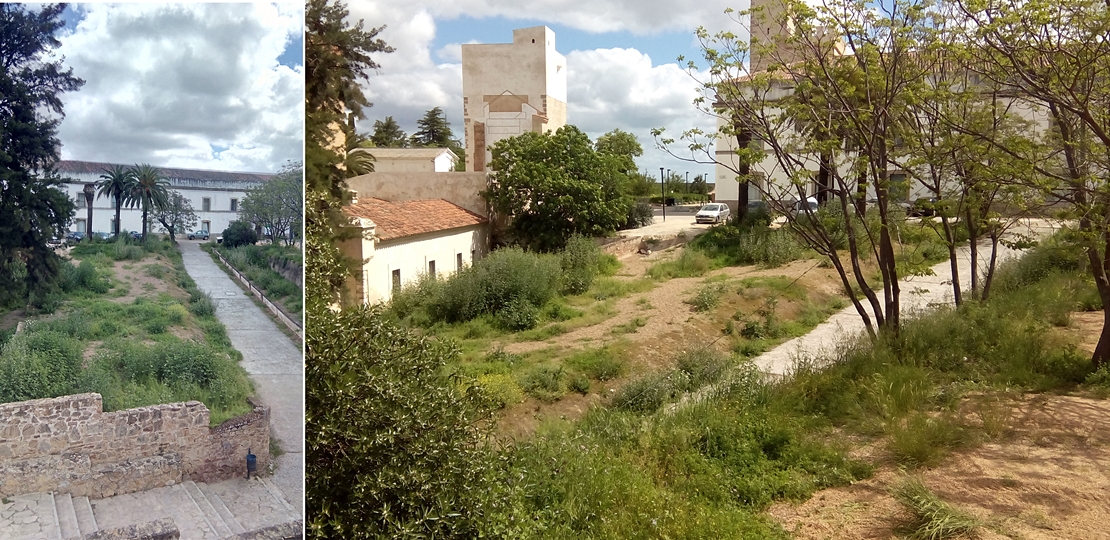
[689, 263]
[253, 261]
[136, 357]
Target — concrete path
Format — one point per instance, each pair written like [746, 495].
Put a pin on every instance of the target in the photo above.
[273, 360]
[917, 293]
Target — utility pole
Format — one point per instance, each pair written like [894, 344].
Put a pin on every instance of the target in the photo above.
[663, 193]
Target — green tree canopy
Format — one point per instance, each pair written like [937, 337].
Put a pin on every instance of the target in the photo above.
[623, 146]
[433, 130]
[33, 208]
[552, 186]
[277, 204]
[147, 189]
[113, 184]
[176, 215]
[388, 134]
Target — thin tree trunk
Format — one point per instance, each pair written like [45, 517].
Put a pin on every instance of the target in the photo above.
[973, 247]
[953, 262]
[119, 226]
[991, 266]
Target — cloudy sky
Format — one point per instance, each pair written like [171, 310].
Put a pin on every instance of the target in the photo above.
[621, 60]
[207, 86]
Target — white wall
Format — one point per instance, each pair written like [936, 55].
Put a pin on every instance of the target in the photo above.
[412, 254]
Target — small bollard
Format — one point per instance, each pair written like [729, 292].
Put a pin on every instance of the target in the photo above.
[252, 463]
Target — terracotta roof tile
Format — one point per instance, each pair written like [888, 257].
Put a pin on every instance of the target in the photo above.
[406, 218]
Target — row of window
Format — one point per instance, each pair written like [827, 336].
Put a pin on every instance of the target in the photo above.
[79, 225]
[205, 203]
[396, 274]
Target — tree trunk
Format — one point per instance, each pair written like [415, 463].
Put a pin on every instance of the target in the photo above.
[144, 224]
[824, 179]
[119, 226]
[953, 262]
[743, 140]
[861, 194]
[995, 238]
[973, 247]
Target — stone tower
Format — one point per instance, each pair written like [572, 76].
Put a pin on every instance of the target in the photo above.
[511, 88]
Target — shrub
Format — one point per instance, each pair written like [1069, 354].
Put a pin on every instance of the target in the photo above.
[493, 282]
[501, 389]
[38, 364]
[379, 393]
[544, 382]
[201, 304]
[640, 214]
[646, 394]
[239, 234]
[702, 365]
[598, 364]
[519, 314]
[690, 263]
[707, 298]
[580, 263]
[922, 439]
[748, 243]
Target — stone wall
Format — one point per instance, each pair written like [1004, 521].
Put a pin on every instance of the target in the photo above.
[69, 445]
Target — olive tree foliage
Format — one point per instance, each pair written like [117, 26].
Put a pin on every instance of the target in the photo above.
[552, 186]
[394, 447]
[33, 207]
[277, 204]
[826, 122]
[1056, 55]
[176, 214]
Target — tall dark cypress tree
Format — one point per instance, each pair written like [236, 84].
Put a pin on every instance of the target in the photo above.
[33, 208]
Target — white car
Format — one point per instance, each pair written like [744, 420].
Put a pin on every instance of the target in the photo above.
[713, 213]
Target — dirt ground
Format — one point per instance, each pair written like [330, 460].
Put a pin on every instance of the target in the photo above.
[1047, 478]
[670, 325]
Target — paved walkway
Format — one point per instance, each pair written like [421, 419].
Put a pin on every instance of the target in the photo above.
[917, 293]
[274, 361]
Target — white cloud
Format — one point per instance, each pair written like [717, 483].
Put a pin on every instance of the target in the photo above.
[166, 83]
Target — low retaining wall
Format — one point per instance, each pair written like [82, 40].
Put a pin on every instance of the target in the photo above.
[273, 307]
[632, 244]
[68, 444]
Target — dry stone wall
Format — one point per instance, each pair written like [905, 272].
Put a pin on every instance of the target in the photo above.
[68, 444]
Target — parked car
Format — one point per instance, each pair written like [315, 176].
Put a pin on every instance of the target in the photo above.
[101, 235]
[925, 206]
[203, 235]
[712, 213]
[799, 207]
[73, 237]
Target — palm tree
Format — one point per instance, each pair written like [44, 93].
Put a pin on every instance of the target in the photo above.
[114, 186]
[148, 189]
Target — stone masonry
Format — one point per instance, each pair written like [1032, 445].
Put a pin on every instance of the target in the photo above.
[69, 445]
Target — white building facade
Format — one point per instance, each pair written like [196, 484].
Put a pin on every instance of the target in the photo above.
[214, 195]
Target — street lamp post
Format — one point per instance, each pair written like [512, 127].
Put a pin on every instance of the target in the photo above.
[687, 182]
[663, 194]
[89, 190]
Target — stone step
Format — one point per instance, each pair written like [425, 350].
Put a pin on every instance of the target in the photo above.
[173, 502]
[208, 512]
[86, 521]
[276, 493]
[28, 517]
[252, 503]
[221, 508]
[67, 516]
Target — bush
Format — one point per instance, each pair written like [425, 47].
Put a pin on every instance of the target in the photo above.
[545, 382]
[933, 519]
[378, 400]
[707, 298]
[501, 388]
[201, 304]
[494, 282]
[38, 364]
[519, 314]
[690, 263]
[749, 242]
[239, 234]
[580, 263]
[640, 214]
[599, 364]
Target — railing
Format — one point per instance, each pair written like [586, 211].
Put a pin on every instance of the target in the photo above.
[271, 305]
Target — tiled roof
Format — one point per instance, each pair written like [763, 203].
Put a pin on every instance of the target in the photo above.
[94, 167]
[406, 218]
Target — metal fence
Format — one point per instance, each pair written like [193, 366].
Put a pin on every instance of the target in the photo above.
[270, 304]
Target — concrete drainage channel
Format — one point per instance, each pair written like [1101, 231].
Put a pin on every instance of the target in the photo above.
[235, 509]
